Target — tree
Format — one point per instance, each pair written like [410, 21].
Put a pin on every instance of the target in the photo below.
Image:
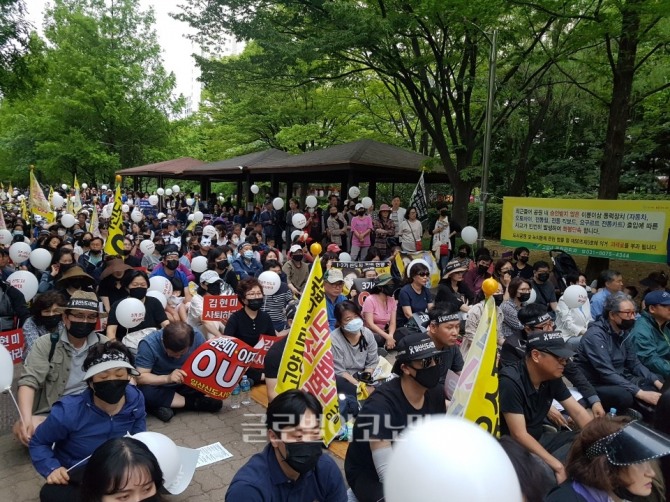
[104, 101]
[17, 47]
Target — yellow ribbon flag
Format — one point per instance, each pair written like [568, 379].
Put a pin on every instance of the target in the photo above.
[114, 244]
[3, 225]
[93, 225]
[39, 204]
[307, 362]
[77, 197]
[24, 210]
[476, 394]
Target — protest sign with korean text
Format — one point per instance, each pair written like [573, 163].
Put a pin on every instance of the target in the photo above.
[219, 308]
[13, 342]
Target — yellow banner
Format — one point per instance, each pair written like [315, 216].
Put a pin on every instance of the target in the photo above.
[307, 362]
[77, 197]
[634, 230]
[476, 394]
[39, 204]
[93, 225]
[114, 244]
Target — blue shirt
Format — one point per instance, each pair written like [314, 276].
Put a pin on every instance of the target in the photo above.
[159, 271]
[330, 307]
[151, 353]
[598, 303]
[262, 480]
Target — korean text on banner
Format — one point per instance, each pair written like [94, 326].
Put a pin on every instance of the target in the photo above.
[634, 230]
[13, 342]
[39, 204]
[307, 362]
[476, 394]
[114, 244]
[219, 308]
[217, 366]
[419, 200]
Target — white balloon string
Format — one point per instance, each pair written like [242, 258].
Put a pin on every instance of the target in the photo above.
[17, 406]
[79, 463]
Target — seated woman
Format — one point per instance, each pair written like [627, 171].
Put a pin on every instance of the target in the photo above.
[110, 289]
[122, 469]
[354, 349]
[210, 285]
[612, 459]
[414, 295]
[451, 289]
[45, 318]
[61, 261]
[136, 283]
[380, 311]
[78, 424]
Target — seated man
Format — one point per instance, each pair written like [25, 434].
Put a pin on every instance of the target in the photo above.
[609, 283]
[443, 328]
[534, 318]
[160, 357]
[651, 333]
[475, 277]
[607, 357]
[527, 389]
[390, 410]
[291, 466]
[544, 289]
[53, 368]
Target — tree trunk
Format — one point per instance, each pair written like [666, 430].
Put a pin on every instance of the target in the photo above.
[619, 113]
[459, 209]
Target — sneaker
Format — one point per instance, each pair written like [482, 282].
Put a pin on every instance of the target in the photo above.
[162, 413]
[382, 352]
[634, 414]
[205, 404]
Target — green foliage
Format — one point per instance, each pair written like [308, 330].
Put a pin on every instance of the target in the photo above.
[493, 221]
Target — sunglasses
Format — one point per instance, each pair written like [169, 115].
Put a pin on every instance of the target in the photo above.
[423, 274]
[426, 363]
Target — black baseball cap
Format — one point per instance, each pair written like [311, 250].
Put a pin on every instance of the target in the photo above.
[414, 347]
[551, 342]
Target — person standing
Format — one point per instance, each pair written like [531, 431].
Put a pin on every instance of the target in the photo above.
[411, 232]
[442, 238]
[384, 228]
[361, 228]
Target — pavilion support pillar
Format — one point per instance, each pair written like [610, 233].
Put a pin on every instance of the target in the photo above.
[204, 188]
[239, 202]
[289, 189]
[249, 200]
[372, 191]
[274, 185]
[304, 188]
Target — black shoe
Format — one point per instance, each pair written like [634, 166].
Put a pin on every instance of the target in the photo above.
[634, 414]
[162, 413]
[203, 403]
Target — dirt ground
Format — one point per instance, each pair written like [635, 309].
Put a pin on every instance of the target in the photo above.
[632, 271]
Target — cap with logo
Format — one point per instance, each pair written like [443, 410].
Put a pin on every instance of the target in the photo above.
[209, 277]
[539, 320]
[660, 297]
[334, 275]
[551, 342]
[414, 347]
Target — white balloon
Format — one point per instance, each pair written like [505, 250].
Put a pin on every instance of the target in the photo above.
[64, 186]
[72, 198]
[168, 191]
[176, 189]
[345, 257]
[575, 296]
[160, 216]
[190, 217]
[103, 187]
[160, 191]
[84, 186]
[354, 192]
[125, 208]
[161, 284]
[57, 201]
[25, 282]
[199, 264]
[367, 202]
[130, 312]
[449, 458]
[295, 233]
[209, 231]
[254, 189]
[311, 201]
[136, 216]
[147, 247]
[299, 220]
[5, 237]
[190, 201]
[270, 282]
[278, 203]
[68, 220]
[159, 296]
[22, 197]
[6, 369]
[40, 258]
[153, 200]
[198, 216]
[469, 235]
[19, 252]
[533, 297]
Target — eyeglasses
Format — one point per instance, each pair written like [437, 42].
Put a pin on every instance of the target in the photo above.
[561, 360]
[428, 361]
[423, 274]
[86, 318]
[626, 313]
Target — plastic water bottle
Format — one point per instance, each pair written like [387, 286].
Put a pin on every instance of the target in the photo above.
[235, 398]
[245, 387]
[612, 413]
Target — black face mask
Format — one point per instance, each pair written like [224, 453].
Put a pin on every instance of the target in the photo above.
[462, 254]
[360, 213]
[110, 391]
[297, 257]
[65, 268]
[302, 457]
[86, 242]
[524, 297]
[626, 324]
[333, 215]
[50, 322]
[159, 247]
[172, 264]
[542, 277]
[443, 213]
[96, 253]
[139, 293]
[214, 289]
[523, 259]
[81, 329]
[125, 252]
[498, 298]
[255, 304]
[482, 269]
[428, 377]
[221, 265]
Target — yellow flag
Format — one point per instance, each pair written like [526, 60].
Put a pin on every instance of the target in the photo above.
[93, 225]
[307, 362]
[476, 394]
[24, 210]
[400, 265]
[114, 244]
[77, 197]
[39, 204]
[3, 225]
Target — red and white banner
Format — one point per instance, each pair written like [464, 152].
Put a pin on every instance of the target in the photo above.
[219, 308]
[13, 342]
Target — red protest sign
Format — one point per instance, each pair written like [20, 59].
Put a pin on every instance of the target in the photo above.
[13, 342]
[217, 366]
[267, 341]
[219, 308]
